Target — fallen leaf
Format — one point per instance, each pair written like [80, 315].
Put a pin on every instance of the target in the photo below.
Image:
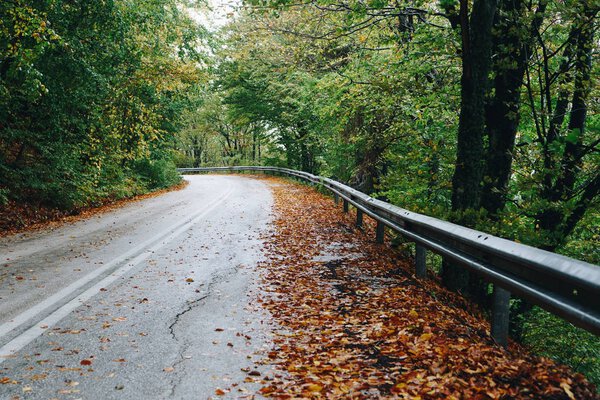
[267, 390]
[68, 391]
[313, 387]
[567, 388]
[425, 337]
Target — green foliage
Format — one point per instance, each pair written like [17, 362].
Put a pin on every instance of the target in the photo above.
[90, 92]
[3, 197]
[552, 337]
[157, 174]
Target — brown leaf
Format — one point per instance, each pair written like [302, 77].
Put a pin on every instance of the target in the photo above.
[313, 387]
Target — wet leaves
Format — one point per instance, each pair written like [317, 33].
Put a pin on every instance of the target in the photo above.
[355, 323]
[7, 381]
[220, 392]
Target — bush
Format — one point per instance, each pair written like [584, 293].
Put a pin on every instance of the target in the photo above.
[157, 174]
[552, 337]
[182, 160]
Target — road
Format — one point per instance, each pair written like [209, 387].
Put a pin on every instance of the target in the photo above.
[150, 301]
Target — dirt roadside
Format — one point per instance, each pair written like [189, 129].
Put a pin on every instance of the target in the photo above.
[18, 218]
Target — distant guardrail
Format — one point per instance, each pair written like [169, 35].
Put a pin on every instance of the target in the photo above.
[564, 286]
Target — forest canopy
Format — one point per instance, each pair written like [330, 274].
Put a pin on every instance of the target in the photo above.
[483, 112]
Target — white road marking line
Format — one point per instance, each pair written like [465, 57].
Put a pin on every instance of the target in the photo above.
[40, 327]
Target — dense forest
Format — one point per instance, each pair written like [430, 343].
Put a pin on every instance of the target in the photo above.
[482, 112]
[90, 98]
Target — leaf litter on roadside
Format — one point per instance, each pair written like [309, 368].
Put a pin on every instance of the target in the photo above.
[362, 326]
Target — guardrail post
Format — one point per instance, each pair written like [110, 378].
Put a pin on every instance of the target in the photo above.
[336, 198]
[500, 315]
[359, 218]
[346, 206]
[420, 267]
[380, 232]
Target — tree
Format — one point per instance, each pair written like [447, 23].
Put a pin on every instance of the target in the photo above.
[476, 51]
[90, 96]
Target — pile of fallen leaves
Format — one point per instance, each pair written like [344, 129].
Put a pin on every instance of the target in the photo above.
[18, 217]
[360, 325]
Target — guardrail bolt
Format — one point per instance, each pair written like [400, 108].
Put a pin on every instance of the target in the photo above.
[359, 218]
[420, 267]
[500, 315]
[380, 232]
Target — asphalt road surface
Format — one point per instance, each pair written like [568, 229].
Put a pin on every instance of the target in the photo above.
[150, 301]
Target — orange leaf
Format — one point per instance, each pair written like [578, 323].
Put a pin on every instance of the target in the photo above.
[313, 387]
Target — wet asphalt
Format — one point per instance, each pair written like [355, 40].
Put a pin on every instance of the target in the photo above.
[155, 300]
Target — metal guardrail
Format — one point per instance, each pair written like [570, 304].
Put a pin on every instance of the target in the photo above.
[564, 286]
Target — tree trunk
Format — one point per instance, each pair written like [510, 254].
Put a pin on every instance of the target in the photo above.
[513, 50]
[476, 34]
[555, 222]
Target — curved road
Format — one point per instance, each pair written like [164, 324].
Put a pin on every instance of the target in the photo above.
[150, 301]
